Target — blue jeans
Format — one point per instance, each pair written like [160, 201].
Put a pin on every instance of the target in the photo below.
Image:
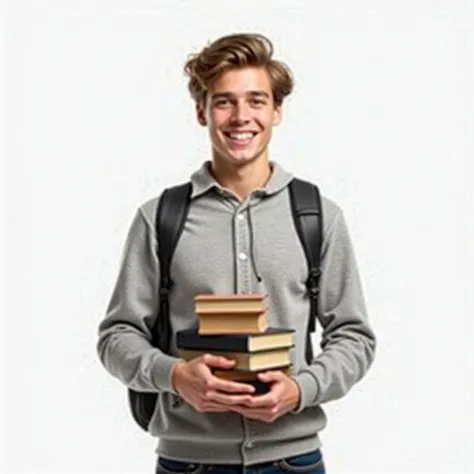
[308, 463]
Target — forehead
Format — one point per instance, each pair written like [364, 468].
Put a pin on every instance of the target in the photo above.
[242, 80]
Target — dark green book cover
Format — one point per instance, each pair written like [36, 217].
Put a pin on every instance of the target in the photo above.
[273, 337]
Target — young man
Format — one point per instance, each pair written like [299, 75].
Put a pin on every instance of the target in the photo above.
[239, 237]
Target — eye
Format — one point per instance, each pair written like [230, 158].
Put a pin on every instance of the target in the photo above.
[257, 101]
[222, 103]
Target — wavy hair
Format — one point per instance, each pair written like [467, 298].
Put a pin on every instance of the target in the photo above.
[232, 52]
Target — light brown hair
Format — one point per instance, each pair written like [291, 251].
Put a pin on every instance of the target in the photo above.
[236, 51]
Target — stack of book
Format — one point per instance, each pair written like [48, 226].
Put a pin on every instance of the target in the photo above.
[236, 327]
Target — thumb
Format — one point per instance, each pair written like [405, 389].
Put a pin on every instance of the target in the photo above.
[217, 361]
[272, 376]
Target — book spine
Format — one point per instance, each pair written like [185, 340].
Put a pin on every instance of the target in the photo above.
[230, 346]
[230, 351]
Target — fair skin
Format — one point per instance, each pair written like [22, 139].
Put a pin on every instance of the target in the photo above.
[240, 114]
[240, 101]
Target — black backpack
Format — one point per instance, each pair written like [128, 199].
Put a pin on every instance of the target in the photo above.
[171, 215]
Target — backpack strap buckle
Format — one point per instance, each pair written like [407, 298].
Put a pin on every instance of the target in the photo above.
[312, 285]
[164, 293]
[165, 289]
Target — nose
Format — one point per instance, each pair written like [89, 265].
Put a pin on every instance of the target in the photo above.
[240, 113]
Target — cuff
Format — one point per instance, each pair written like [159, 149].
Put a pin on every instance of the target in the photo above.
[308, 390]
[162, 372]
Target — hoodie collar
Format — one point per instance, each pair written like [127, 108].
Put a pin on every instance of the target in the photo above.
[202, 180]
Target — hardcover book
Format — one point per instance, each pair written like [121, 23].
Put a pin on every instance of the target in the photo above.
[251, 361]
[232, 322]
[253, 302]
[273, 337]
[237, 375]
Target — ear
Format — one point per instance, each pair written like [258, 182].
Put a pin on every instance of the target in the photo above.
[277, 115]
[201, 114]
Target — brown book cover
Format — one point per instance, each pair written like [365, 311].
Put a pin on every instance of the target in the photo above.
[230, 296]
[245, 375]
[251, 313]
[217, 324]
[246, 360]
[240, 302]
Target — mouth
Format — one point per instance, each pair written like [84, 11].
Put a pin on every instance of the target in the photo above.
[240, 139]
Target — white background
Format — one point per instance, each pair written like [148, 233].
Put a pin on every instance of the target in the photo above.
[98, 120]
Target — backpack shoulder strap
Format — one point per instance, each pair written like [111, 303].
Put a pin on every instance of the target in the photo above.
[305, 200]
[170, 218]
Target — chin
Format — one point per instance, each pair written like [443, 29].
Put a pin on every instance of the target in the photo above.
[242, 156]
[242, 160]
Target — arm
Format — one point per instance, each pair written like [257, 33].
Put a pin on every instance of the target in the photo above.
[348, 343]
[124, 346]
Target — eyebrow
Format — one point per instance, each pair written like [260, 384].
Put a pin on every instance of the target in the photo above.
[230, 95]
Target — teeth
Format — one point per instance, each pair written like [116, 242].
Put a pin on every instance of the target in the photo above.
[241, 136]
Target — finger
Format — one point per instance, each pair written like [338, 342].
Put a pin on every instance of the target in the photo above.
[272, 376]
[217, 384]
[217, 361]
[227, 400]
[267, 400]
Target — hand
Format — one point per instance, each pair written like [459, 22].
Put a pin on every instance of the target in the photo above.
[195, 383]
[283, 397]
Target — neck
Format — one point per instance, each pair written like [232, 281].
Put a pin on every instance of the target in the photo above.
[243, 179]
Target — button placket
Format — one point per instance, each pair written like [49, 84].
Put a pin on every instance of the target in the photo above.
[242, 252]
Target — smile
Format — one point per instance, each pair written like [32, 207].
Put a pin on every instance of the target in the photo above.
[240, 135]
[240, 138]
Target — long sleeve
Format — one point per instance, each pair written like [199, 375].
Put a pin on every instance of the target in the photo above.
[124, 346]
[348, 342]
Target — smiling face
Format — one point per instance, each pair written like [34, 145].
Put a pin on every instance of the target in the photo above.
[240, 114]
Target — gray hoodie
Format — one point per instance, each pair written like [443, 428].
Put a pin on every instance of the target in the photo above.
[224, 244]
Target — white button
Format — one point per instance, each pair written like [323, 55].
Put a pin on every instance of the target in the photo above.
[242, 256]
[240, 217]
[249, 445]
